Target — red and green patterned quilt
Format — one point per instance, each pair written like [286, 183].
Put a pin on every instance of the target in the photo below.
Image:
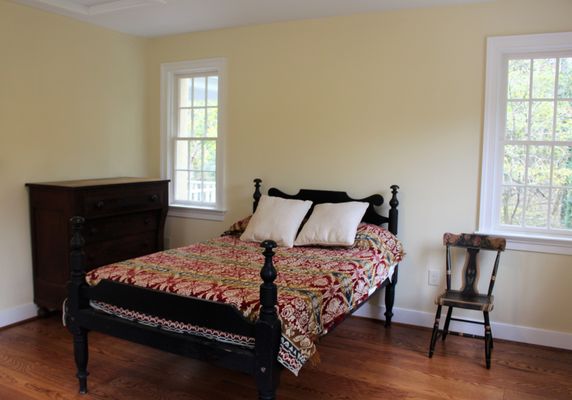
[317, 287]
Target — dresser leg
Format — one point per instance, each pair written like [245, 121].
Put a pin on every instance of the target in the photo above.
[43, 312]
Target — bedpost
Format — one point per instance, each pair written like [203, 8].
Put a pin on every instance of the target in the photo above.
[256, 194]
[75, 302]
[390, 298]
[392, 227]
[393, 213]
[268, 329]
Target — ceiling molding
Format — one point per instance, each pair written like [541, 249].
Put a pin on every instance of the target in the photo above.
[98, 6]
[153, 18]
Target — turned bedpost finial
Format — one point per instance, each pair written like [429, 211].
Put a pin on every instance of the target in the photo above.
[268, 290]
[257, 193]
[393, 213]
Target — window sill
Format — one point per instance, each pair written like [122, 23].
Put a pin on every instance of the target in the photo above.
[537, 244]
[209, 214]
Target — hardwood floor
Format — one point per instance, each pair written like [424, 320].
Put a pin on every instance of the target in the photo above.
[359, 360]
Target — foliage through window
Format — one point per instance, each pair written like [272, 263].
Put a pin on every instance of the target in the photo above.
[526, 188]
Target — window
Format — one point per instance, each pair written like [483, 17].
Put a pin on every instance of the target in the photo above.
[193, 104]
[526, 192]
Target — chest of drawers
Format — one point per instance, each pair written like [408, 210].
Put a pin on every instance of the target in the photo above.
[125, 218]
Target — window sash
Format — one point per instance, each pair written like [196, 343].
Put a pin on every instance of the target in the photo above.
[528, 144]
[208, 191]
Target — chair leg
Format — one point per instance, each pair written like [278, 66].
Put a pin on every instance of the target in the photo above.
[435, 332]
[488, 339]
[447, 322]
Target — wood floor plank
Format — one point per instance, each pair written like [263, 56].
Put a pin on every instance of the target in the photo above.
[359, 360]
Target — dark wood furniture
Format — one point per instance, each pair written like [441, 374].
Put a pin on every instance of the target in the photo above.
[124, 218]
[261, 361]
[468, 296]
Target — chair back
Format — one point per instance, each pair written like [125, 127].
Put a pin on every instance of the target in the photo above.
[473, 243]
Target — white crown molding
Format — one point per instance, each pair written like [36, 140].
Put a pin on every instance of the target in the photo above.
[153, 18]
[100, 7]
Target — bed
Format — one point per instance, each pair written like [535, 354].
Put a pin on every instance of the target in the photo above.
[224, 302]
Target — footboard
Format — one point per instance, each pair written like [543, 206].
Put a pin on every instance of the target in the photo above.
[260, 361]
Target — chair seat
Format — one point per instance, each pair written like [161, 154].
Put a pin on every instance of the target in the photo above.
[456, 298]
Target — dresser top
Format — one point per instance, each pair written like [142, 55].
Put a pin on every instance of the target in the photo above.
[83, 183]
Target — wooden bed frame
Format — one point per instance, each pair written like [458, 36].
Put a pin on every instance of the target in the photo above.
[260, 361]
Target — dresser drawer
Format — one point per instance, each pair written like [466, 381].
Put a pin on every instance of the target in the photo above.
[104, 202]
[110, 251]
[100, 229]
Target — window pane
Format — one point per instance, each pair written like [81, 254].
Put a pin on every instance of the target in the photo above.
[517, 120]
[199, 122]
[199, 91]
[511, 205]
[562, 169]
[542, 120]
[182, 185]
[209, 151]
[195, 186]
[185, 92]
[518, 79]
[543, 78]
[536, 212]
[185, 123]
[539, 165]
[212, 122]
[561, 209]
[565, 78]
[514, 164]
[209, 187]
[212, 95]
[564, 120]
[182, 155]
[196, 156]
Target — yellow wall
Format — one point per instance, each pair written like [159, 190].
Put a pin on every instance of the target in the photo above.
[71, 106]
[362, 102]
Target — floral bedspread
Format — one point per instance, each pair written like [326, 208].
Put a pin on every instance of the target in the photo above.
[317, 287]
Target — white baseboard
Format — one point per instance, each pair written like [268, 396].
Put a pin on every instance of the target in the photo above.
[16, 314]
[515, 333]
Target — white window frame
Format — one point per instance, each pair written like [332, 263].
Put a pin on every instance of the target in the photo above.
[499, 50]
[169, 74]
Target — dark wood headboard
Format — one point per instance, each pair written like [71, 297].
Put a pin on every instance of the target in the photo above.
[330, 196]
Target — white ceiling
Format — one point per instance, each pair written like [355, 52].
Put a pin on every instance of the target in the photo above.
[151, 18]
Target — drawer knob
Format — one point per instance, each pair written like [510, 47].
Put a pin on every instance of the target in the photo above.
[154, 197]
[145, 244]
[100, 204]
[147, 220]
[93, 231]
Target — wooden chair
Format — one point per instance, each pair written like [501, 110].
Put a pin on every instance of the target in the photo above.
[468, 297]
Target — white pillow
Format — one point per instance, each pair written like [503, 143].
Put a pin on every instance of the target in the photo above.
[276, 219]
[332, 224]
